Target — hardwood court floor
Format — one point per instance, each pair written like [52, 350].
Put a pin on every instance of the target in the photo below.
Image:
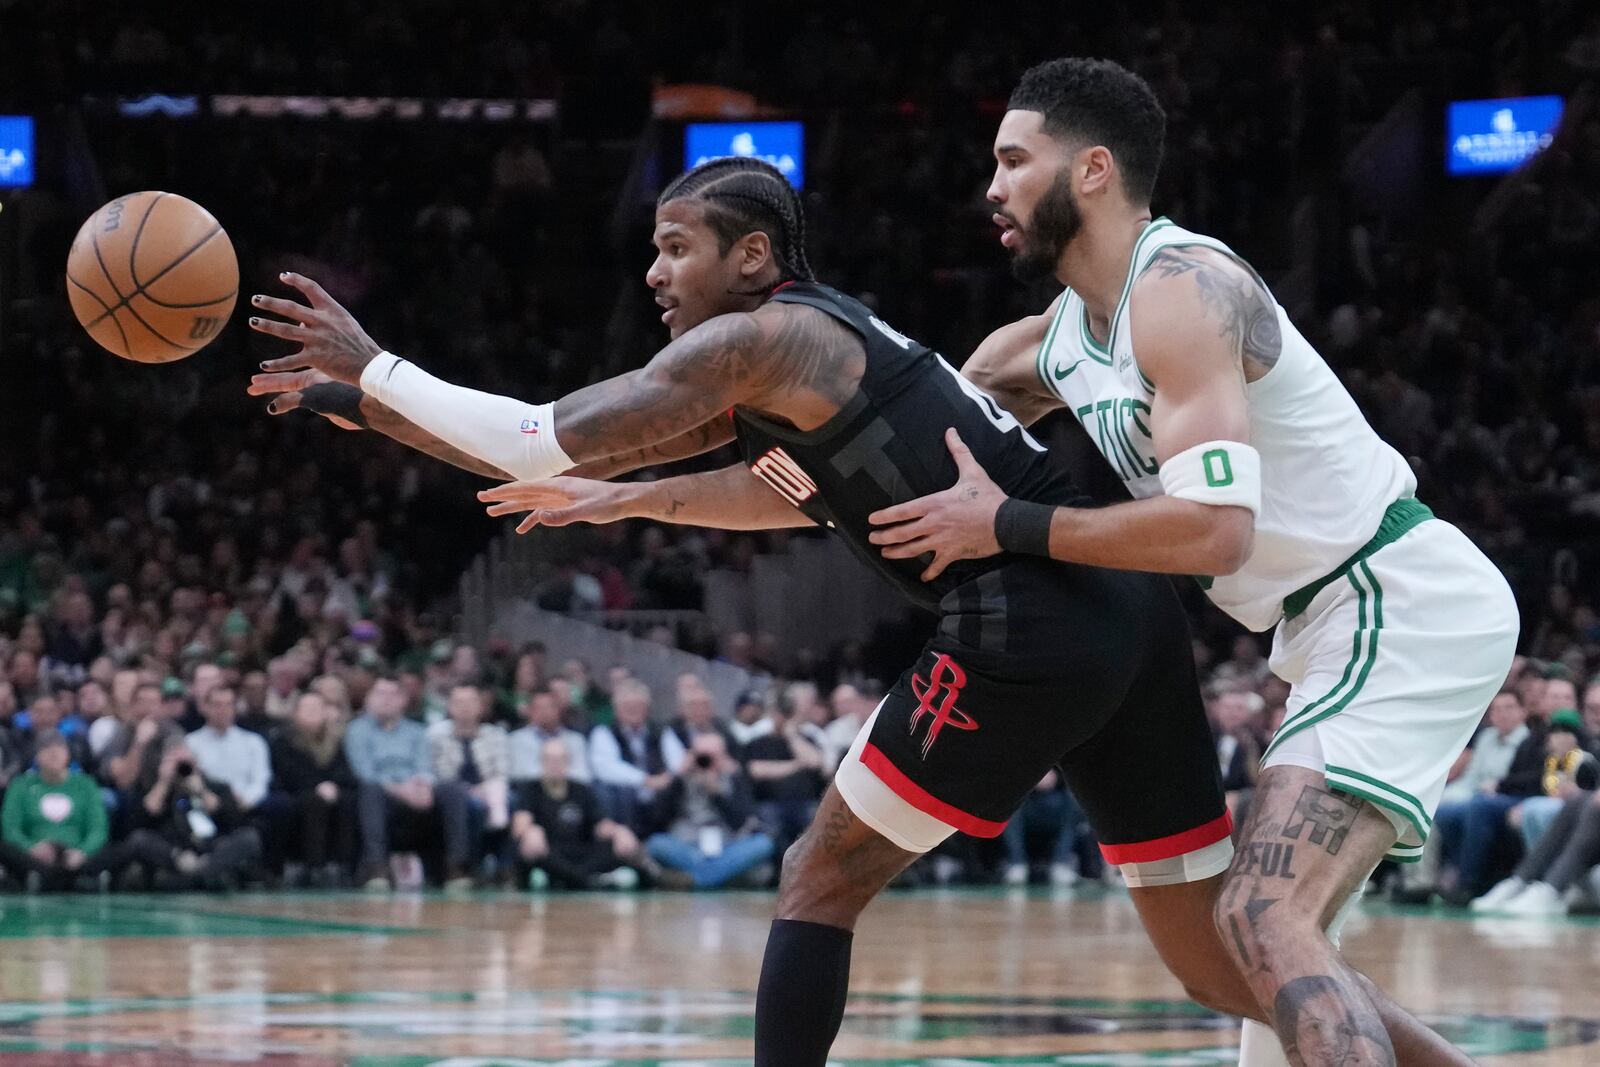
[941, 979]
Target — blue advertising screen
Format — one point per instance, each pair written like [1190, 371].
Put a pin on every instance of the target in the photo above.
[1495, 136]
[780, 143]
[16, 151]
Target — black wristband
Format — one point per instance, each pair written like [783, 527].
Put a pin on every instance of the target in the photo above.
[335, 398]
[1024, 526]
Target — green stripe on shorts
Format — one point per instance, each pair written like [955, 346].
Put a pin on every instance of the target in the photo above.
[1364, 653]
[1384, 796]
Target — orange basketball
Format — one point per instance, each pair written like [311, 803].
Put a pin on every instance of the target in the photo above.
[152, 277]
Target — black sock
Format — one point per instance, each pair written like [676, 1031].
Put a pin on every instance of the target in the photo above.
[800, 1001]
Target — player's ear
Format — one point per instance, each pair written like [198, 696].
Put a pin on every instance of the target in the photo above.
[754, 251]
[1094, 169]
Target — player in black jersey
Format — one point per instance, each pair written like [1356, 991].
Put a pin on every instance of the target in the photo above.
[1035, 663]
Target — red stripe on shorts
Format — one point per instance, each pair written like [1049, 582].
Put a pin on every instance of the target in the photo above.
[912, 793]
[1165, 848]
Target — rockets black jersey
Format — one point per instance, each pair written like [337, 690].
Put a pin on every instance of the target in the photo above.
[886, 446]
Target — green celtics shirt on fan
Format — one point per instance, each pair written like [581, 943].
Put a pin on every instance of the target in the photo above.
[1393, 630]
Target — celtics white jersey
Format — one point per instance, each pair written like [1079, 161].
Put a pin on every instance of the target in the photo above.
[1326, 477]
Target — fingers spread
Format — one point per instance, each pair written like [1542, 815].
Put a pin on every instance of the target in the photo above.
[315, 293]
[287, 308]
[289, 331]
[896, 535]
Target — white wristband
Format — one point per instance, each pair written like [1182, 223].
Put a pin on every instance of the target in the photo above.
[517, 437]
[1216, 472]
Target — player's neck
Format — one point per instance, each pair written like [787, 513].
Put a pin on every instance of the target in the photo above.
[1095, 265]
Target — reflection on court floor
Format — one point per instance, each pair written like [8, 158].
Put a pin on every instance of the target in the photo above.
[948, 979]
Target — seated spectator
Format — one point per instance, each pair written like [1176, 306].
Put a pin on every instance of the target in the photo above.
[132, 757]
[590, 704]
[237, 758]
[395, 795]
[46, 717]
[1487, 761]
[195, 828]
[543, 713]
[473, 756]
[811, 717]
[1569, 767]
[787, 772]
[627, 756]
[749, 719]
[709, 835]
[1052, 813]
[53, 827]
[559, 830]
[696, 715]
[851, 710]
[1235, 715]
[120, 711]
[1484, 824]
[313, 796]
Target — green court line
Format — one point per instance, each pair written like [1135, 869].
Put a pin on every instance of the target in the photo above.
[162, 916]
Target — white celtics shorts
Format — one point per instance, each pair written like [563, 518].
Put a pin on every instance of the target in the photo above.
[1391, 667]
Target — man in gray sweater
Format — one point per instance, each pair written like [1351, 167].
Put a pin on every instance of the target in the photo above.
[396, 796]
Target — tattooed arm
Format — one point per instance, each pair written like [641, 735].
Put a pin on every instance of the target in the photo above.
[1202, 324]
[698, 441]
[728, 499]
[1202, 327]
[793, 361]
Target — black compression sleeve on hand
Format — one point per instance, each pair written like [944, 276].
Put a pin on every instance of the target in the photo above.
[1023, 526]
[335, 398]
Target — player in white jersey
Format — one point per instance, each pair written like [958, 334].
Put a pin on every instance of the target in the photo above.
[1253, 469]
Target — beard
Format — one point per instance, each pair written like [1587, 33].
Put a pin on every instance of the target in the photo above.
[1056, 221]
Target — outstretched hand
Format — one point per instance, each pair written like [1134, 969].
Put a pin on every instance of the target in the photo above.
[556, 502]
[955, 524]
[331, 340]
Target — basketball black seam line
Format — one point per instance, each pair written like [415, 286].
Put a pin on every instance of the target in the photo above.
[133, 247]
[122, 301]
[199, 304]
[163, 337]
[96, 298]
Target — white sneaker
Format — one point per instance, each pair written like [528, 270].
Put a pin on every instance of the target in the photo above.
[1062, 875]
[623, 878]
[1016, 874]
[1500, 895]
[1540, 898]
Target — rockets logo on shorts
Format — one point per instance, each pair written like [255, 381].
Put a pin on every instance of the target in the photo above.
[936, 698]
[784, 475]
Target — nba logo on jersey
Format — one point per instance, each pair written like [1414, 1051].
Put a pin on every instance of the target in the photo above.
[781, 472]
[530, 425]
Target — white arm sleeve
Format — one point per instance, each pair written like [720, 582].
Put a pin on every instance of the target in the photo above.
[517, 437]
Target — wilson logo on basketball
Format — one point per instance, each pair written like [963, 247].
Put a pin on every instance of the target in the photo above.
[937, 700]
[204, 326]
[778, 470]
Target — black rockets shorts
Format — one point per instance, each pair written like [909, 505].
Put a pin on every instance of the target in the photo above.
[1091, 671]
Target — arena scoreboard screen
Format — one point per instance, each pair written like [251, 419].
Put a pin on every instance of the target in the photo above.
[780, 143]
[1496, 136]
[16, 151]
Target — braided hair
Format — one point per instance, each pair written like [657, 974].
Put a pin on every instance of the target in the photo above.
[742, 195]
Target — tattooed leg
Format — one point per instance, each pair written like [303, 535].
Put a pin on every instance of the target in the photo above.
[1303, 851]
[829, 876]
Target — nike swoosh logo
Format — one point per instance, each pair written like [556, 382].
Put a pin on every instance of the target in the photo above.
[1061, 375]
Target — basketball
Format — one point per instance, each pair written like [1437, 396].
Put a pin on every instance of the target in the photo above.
[152, 277]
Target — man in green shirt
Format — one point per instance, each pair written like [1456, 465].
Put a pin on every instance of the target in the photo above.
[53, 822]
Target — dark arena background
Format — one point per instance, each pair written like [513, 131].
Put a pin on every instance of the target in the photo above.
[1418, 183]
